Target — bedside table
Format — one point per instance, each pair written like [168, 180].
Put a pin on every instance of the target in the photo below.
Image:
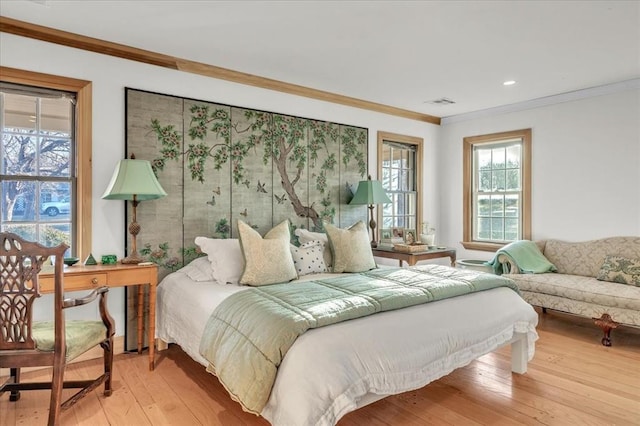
[413, 258]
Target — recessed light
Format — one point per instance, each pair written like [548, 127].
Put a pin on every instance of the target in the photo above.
[509, 83]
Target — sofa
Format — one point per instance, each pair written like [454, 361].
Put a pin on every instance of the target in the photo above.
[598, 279]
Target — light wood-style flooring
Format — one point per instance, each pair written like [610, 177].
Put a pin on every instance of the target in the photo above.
[572, 380]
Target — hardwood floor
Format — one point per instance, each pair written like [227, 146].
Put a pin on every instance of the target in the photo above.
[572, 380]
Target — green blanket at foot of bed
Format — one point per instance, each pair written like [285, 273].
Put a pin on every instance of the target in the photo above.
[250, 332]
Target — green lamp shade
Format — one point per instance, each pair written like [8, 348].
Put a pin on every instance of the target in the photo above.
[370, 192]
[133, 178]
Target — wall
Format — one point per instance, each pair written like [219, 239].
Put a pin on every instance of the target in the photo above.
[111, 75]
[585, 168]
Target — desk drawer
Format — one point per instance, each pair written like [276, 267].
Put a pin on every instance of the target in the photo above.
[84, 282]
[75, 282]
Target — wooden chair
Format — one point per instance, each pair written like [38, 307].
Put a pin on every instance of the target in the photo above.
[25, 343]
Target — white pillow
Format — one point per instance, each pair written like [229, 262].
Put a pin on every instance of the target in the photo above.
[199, 270]
[267, 260]
[305, 236]
[308, 258]
[351, 248]
[225, 256]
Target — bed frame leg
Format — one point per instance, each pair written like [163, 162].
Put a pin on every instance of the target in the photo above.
[161, 345]
[519, 354]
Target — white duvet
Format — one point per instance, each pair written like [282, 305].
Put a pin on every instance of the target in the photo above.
[333, 370]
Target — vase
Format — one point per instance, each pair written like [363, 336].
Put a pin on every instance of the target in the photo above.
[428, 239]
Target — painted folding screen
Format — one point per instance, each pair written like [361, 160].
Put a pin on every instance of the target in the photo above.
[220, 163]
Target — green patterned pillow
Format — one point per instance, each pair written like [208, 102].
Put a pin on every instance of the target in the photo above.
[266, 260]
[621, 270]
[351, 248]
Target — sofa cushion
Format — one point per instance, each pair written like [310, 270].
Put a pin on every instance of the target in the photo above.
[585, 258]
[579, 288]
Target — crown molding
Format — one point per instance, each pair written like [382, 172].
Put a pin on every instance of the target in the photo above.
[52, 35]
[575, 95]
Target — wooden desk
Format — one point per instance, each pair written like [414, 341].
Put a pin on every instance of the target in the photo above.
[413, 258]
[80, 277]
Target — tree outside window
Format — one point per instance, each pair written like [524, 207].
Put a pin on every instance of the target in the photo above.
[37, 172]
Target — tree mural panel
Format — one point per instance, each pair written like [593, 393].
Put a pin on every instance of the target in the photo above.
[251, 170]
[324, 177]
[221, 163]
[352, 169]
[146, 137]
[207, 190]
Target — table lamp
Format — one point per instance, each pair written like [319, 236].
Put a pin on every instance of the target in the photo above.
[133, 180]
[370, 192]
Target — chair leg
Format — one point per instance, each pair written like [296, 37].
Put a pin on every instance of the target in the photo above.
[57, 384]
[14, 374]
[108, 364]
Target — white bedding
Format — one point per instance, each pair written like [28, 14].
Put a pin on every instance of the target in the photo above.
[333, 370]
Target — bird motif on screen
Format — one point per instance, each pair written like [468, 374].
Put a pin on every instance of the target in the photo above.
[244, 213]
[246, 183]
[213, 201]
[260, 187]
[216, 191]
[280, 199]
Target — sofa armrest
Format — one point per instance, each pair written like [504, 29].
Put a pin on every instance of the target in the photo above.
[508, 264]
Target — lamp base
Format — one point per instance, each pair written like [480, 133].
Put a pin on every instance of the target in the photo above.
[134, 258]
[374, 244]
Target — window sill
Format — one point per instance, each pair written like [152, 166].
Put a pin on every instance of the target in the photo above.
[476, 245]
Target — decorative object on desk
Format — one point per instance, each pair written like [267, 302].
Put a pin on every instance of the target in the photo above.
[428, 235]
[370, 192]
[133, 180]
[410, 248]
[386, 234]
[90, 260]
[109, 259]
[410, 236]
[70, 261]
[428, 239]
[397, 234]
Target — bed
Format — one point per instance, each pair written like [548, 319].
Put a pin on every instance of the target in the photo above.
[332, 370]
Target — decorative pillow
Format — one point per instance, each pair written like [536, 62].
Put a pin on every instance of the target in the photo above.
[305, 236]
[199, 270]
[351, 248]
[618, 269]
[225, 257]
[308, 258]
[267, 260]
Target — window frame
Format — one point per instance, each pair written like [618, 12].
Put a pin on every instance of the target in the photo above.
[83, 148]
[408, 140]
[468, 192]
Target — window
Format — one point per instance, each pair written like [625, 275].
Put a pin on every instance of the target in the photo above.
[45, 172]
[497, 189]
[400, 172]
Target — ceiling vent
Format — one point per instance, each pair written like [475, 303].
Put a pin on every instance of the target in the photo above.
[441, 101]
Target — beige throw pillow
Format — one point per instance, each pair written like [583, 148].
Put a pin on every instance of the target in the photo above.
[267, 260]
[351, 248]
[618, 269]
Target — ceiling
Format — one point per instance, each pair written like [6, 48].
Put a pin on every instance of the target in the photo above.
[398, 53]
